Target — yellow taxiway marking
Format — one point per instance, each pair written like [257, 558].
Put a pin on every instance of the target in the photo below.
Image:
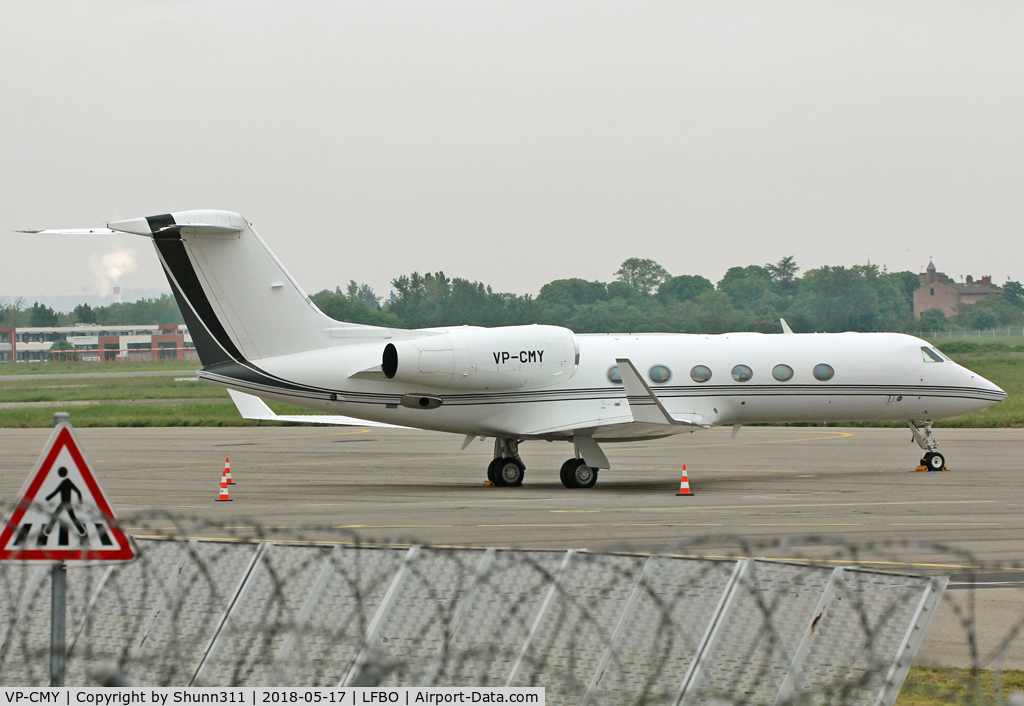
[864, 504]
[942, 524]
[805, 524]
[391, 526]
[605, 525]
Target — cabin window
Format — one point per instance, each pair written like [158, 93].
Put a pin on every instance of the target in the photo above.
[659, 373]
[782, 373]
[823, 372]
[929, 355]
[700, 373]
[614, 376]
[742, 373]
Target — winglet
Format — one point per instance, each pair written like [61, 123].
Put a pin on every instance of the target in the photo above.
[785, 327]
[644, 405]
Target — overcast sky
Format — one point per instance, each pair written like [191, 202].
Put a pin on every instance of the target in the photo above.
[515, 142]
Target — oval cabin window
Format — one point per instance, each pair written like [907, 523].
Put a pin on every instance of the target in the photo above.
[823, 372]
[782, 373]
[742, 373]
[614, 376]
[659, 373]
[700, 373]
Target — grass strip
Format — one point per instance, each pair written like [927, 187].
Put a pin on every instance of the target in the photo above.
[205, 414]
[128, 366]
[132, 388]
[928, 686]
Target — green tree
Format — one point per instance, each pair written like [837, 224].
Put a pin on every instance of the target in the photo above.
[716, 314]
[643, 275]
[162, 310]
[84, 314]
[990, 312]
[783, 274]
[750, 287]
[363, 293]
[42, 315]
[684, 287]
[623, 290]
[1013, 293]
[343, 308]
[575, 291]
[64, 345]
[435, 300]
[933, 320]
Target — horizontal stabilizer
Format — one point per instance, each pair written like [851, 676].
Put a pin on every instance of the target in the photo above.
[252, 407]
[644, 405]
[70, 231]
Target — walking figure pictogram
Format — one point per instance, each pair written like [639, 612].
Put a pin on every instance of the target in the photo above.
[65, 489]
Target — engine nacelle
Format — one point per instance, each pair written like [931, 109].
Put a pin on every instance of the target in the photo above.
[504, 358]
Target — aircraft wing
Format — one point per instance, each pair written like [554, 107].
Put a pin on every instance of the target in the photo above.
[644, 405]
[252, 407]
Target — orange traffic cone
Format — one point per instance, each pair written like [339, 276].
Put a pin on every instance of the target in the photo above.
[684, 484]
[223, 487]
[227, 471]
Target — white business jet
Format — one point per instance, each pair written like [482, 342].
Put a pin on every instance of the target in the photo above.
[258, 334]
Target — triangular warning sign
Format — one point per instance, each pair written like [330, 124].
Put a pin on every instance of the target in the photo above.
[62, 513]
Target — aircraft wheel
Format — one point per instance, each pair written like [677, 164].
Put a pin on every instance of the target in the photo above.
[565, 475]
[580, 475]
[934, 460]
[508, 472]
[492, 470]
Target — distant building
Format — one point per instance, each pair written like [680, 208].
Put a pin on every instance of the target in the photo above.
[938, 291]
[93, 342]
[8, 346]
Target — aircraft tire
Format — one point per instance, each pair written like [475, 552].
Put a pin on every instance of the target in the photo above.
[934, 460]
[565, 474]
[508, 472]
[492, 470]
[579, 474]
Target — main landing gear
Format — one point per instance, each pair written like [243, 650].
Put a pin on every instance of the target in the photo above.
[576, 473]
[932, 459]
[507, 469]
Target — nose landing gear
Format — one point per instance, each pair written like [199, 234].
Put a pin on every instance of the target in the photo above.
[932, 460]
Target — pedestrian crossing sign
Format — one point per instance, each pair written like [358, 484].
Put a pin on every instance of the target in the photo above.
[62, 513]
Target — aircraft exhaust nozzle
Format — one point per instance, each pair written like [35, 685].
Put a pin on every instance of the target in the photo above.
[135, 226]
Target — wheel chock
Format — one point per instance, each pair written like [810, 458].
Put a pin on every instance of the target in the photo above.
[921, 469]
[488, 484]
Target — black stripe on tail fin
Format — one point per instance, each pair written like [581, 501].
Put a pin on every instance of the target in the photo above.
[212, 342]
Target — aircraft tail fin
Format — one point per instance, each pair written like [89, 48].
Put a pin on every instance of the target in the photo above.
[238, 300]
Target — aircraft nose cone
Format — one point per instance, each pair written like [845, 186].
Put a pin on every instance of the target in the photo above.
[992, 390]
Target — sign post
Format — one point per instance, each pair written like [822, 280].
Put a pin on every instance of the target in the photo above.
[63, 516]
[58, 602]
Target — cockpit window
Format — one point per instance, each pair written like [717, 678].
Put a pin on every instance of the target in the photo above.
[929, 355]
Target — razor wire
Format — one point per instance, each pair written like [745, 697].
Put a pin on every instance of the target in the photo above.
[261, 606]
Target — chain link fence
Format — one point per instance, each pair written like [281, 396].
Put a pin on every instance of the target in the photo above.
[244, 605]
